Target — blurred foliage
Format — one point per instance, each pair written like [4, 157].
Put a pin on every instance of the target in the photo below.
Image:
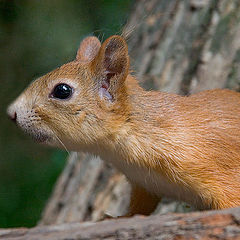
[35, 37]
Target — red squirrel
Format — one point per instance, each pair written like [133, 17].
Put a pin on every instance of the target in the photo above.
[182, 147]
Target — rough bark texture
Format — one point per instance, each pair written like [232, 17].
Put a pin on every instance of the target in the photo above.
[176, 46]
[205, 225]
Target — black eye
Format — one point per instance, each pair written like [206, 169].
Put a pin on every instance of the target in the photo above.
[62, 91]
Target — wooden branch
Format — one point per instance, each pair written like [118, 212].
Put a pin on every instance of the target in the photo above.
[223, 224]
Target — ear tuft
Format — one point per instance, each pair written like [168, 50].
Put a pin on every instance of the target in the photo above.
[88, 49]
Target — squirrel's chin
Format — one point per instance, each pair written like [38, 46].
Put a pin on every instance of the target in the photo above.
[42, 138]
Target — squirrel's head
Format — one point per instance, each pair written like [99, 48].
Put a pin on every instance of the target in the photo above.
[81, 102]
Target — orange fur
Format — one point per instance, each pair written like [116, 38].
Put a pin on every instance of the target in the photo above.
[187, 148]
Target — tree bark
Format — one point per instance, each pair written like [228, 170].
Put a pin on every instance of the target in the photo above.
[180, 46]
[199, 225]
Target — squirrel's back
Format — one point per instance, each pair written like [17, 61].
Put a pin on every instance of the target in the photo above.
[194, 141]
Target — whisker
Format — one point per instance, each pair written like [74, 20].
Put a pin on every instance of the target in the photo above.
[62, 144]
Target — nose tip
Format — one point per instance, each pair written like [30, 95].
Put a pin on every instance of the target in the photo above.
[12, 114]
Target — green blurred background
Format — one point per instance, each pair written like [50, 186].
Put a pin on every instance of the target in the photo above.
[36, 36]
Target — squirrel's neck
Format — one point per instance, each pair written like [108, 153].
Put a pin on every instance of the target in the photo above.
[145, 137]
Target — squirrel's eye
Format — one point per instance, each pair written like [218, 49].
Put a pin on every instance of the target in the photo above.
[62, 91]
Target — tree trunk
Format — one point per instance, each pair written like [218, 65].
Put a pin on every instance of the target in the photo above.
[176, 46]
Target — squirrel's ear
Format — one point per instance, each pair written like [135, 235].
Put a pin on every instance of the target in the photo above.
[111, 65]
[88, 49]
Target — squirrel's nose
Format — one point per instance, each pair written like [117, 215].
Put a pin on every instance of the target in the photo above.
[13, 117]
[12, 114]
